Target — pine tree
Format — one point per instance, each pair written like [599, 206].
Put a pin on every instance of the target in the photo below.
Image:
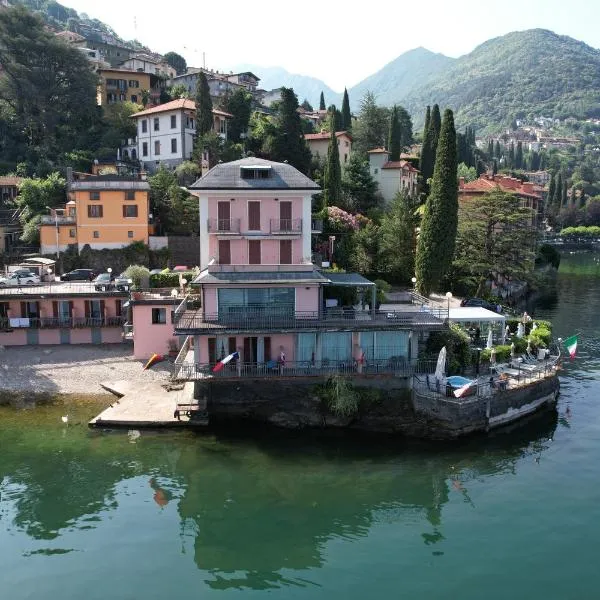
[332, 181]
[394, 134]
[322, 102]
[427, 154]
[437, 239]
[346, 114]
[519, 156]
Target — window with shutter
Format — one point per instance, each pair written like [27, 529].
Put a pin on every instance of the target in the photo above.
[224, 252]
[285, 252]
[254, 252]
[254, 216]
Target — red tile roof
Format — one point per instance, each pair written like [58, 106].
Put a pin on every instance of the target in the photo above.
[378, 151]
[10, 180]
[181, 103]
[325, 135]
[508, 184]
[399, 164]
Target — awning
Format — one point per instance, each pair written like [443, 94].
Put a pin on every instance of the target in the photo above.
[39, 261]
[474, 314]
[348, 279]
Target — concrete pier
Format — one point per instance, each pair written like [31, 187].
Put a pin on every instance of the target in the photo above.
[148, 405]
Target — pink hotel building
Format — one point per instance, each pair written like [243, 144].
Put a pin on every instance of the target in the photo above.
[259, 294]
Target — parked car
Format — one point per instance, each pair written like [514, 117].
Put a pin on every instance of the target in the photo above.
[103, 282]
[122, 282]
[479, 302]
[20, 277]
[79, 275]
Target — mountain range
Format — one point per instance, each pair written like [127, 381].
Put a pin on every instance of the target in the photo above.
[526, 73]
[533, 72]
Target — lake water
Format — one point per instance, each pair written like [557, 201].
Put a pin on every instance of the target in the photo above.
[92, 515]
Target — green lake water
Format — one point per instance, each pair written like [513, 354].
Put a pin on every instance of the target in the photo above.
[95, 515]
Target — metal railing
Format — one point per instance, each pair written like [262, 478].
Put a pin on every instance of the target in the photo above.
[59, 288]
[273, 317]
[61, 220]
[60, 322]
[316, 225]
[286, 226]
[223, 225]
[396, 366]
[183, 352]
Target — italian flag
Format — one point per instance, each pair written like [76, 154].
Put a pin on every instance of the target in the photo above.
[571, 345]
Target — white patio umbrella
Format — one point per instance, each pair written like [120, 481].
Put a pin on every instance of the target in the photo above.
[490, 339]
[440, 368]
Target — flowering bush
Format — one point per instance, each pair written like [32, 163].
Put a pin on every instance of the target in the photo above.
[345, 220]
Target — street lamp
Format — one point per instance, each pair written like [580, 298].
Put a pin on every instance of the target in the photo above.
[448, 296]
[414, 282]
[56, 226]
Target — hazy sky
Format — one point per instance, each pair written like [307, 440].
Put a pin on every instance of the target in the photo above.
[340, 42]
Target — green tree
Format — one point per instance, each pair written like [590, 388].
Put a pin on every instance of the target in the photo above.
[358, 186]
[239, 104]
[177, 62]
[286, 139]
[179, 91]
[332, 189]
[519, 156]
[557, 200]
[204, 106]
[47, 91]
[551, 208]
[119, 125]
[438, 227]
[322, 102]
[511, 156]
[397, 235]
[306, 105]
[497, 151]
[495, 239]
[435, 124]
[406, 128]
[564, 196]
[394, 134]
[346, 114]
[468, 173]
[427, 158]
[337, 118]
[371, 129]
[35, 196]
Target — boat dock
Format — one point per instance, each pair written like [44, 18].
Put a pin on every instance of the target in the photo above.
[151, 405]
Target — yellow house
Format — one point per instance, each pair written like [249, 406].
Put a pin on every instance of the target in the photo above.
[118, 85]
[107, 211]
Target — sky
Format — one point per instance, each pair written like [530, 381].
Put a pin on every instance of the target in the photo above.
[338, 41]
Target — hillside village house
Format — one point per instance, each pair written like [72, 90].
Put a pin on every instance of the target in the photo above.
[318, 144]
[10, 228]
[165, 133]
[259, 294]
[530, 194]
[61, 314]
[9, 187]
[146, 63]
[118, 85]
[392, 176]
[218, 83]
[106, 211]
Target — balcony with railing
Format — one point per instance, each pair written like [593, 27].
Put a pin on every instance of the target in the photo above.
[224, 226]
[272, 318]
[286, 226]
[59, 322]
[316, 225]
[58, 220]
[396, 366]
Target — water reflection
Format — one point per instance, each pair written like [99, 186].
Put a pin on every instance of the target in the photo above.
[256, 509]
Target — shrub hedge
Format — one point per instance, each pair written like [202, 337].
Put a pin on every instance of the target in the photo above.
[170, 280]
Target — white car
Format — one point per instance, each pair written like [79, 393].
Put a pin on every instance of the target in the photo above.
[20, 278]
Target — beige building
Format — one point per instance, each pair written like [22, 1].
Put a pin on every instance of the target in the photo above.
[318, 144]
[392, 176]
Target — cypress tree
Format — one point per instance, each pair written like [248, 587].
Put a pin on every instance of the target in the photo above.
[435, 124]
[322, 102]
[337, 117]
[511, 156]
[495, 167]
[497, 153]
[519, 156]
[427, 154]
[394, 134]
[564, 197]
[406, 128]
[346, 114]
[437, 240]
[550, 198]
[204, 107]
[558, 186]
[490, 150]
[332, 180]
